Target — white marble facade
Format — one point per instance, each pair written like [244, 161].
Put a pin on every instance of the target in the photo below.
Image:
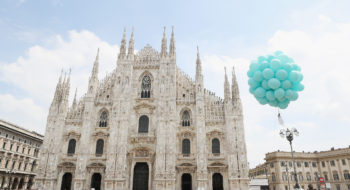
[147, 125]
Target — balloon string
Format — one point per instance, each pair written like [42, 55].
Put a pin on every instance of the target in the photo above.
[280, 120]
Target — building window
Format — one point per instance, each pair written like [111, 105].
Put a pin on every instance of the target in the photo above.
[346, 175]
[33, 165]
[273, 177]
[343, 162]
[271, 165]
[282, 163]
[299, 164]
[323, 164]
[25, 167]
[103, 119]
[17, 148]
[28, 150]
[146, 87]
[348, 186]
[292, 176]
[314, 164]
[23, 150]
[11, 147]
[325, 176]
[186, 146]
[316, 176]
[13, 165]
[338, 186]
[71, 146]
[6, 164]
[308, 176]
[215, 146]
[186, 118]
[332, 163]
[284, 176]
[306, 164]
[143, 124]
[99, 147]
[301, 177]
[335, 176]
[286, 187]
[19, 165]
[4, 145]
[290, 164]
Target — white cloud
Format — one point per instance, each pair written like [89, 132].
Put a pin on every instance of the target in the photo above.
[37, 72]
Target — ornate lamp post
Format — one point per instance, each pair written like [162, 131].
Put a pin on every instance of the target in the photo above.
[289, 134]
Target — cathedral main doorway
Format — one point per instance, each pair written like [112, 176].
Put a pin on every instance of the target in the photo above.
[96, 181]
[217, 182]
[186, 182]
[141, 175]
[66, 181]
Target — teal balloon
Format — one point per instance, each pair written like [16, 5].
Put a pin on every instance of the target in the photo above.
[251, 90]
[270, 95]
[261, 59]
[275, 64]
[259, 92]
[294, 76]
[265, 85]
[299, 87]
[274, 83]
[258, 76]
[287, 67]
[295, 96]
[279, 93]
[275, 80]
[263, 65]
[289, 94]
[250, 74]
[281, 74]
[262, 101]
[252, 83]
[287, 84]
[254, 66]
[273, 103]
[268, 73]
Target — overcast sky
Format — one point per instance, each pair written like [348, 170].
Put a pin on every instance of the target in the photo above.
[38, 38]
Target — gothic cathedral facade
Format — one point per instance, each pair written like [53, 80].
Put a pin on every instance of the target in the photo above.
[146, 126]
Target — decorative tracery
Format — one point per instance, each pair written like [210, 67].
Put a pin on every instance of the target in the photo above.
[146, 87]
[103, 119]
[186, 118]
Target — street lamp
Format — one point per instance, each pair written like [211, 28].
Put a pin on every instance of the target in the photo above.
[289, 134]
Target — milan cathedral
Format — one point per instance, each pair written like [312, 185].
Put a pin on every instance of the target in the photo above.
[147, 125]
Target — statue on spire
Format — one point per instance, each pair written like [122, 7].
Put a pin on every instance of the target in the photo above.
[226, 88]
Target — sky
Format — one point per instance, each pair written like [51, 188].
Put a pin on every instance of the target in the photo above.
[39, 38]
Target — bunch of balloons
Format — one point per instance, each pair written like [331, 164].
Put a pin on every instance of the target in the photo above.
[275, 80]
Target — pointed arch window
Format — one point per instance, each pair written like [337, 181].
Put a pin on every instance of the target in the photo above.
[186, 146]
[146, 87]
[186, 119]
[215, 146]
[99, 147]
[143, 124]
[103, 119]
[71, 146]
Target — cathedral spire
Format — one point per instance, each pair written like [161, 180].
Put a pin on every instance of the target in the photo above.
[94, 73]
[93, 81]
[198, 65]
[131, 44]
[164, 44]
[172, 48]
[122, 52]
[74, 105]
[235, 90]
[226, 87]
